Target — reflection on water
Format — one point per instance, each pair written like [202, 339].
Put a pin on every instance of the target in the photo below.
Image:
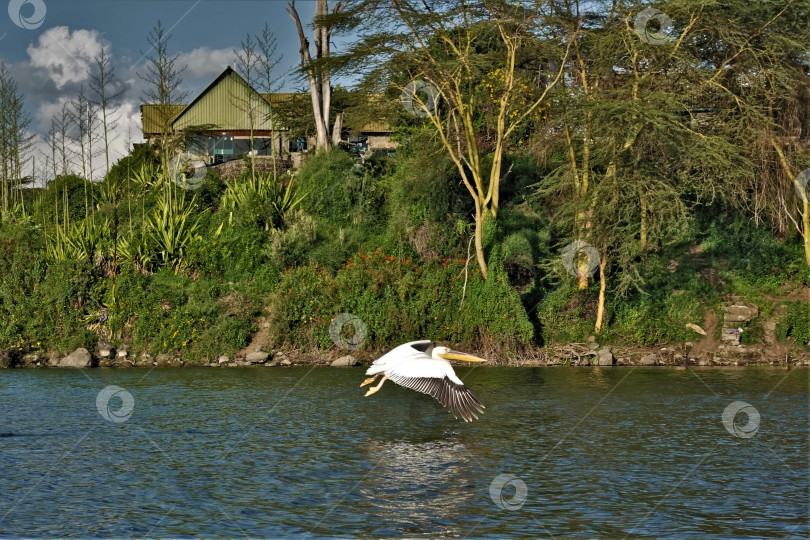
[419, 487]
[300, 452]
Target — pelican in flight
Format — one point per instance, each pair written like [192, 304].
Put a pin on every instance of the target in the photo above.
[424, 367]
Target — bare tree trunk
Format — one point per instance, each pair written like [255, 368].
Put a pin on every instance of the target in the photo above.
[600, 308]
[338, 127]
[320, 88]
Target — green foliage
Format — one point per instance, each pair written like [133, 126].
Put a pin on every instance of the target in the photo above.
[335, 182]
[143, 156]
[171, 229]
[795, 323]
[399, 300]
[266, 197]
[81, 241]
[71, 191]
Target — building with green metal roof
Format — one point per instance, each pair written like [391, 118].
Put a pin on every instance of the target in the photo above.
[219, 122]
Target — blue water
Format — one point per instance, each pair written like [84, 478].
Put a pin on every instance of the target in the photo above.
[298, 452]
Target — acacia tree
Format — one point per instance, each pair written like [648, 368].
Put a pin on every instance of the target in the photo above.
[441, 44]
[163, 78]
[317, 70]
[762, 74]
[628, 120]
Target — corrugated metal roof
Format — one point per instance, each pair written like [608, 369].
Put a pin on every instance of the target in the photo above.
[227, 103]
[154, 118]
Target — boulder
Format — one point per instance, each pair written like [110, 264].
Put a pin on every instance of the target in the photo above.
[286, 362]
[345, 361]
[583, 361]
[145, 361]
[648, 360]
[604, 357]
[80, 358]
[30, 359]
[106, 349]
[222, 360]
[122, 353]
[592, 344]
[165, 360]
[258, 357]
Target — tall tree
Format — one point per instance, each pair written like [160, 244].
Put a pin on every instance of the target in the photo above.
[317, 70]
[628, 118]
[163, 78]
[16, 140]
[762, 75]
[267, 79]
[465, 56]
[247, 66]
[82, 118]
[105, 92]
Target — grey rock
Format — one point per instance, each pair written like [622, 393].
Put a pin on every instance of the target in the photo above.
[704, 362]
[604, 357]
[146, 360]
[30, 359]
[737, 313]
[286, 362]
[80, 358]
[122, 353]
[648, 360]
[106, 349]
[345, 361]
[165, 360]
[583, 361]
[257, 357]
[223, 360]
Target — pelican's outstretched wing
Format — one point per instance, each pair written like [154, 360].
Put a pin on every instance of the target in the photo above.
[436, 378]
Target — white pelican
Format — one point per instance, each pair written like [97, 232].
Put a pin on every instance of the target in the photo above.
[421, 366]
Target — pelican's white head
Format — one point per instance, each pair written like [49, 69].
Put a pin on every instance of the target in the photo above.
[449, 354]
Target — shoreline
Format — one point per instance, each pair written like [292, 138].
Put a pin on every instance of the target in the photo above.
[570, 355]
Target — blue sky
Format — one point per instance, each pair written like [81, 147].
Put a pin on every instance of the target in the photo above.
[49, 59]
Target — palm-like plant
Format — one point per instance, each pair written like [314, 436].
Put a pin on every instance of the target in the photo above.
[275, 196]
[79, 241]
[171, 228]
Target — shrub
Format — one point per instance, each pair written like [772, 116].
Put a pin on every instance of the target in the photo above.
[795, 323]
[399, 300]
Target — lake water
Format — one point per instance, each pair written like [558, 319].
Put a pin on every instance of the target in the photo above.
[299, 452]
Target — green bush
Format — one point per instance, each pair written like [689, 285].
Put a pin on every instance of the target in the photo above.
[795, 323]
[399, 300]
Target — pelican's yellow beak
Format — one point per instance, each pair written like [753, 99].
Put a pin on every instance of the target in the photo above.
[458, 355]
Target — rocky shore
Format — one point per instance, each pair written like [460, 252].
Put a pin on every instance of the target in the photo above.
[589, 354]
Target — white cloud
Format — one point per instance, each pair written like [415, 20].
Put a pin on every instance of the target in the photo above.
[205, 62]
[66, 55]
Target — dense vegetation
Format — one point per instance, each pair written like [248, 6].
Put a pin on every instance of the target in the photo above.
[673, 208]
[192, 272]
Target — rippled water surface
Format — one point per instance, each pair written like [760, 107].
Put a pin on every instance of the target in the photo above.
[273, 452]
